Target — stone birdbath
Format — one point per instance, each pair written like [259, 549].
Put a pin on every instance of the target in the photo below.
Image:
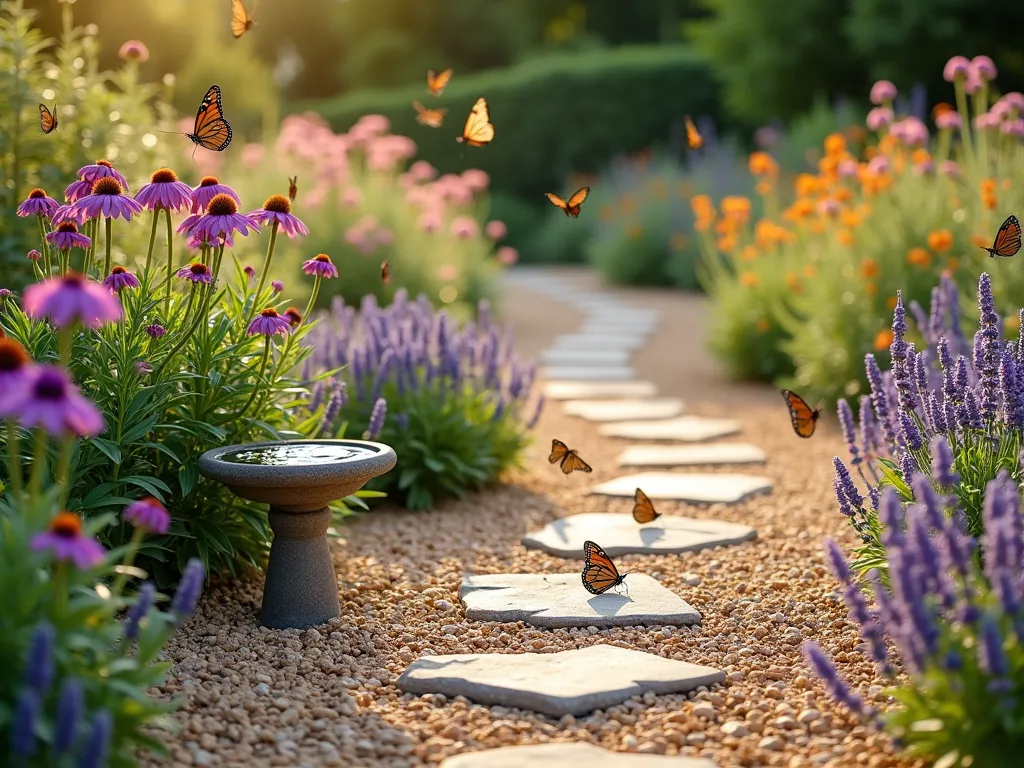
[298, 479]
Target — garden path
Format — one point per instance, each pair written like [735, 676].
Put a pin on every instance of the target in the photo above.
[328, 696]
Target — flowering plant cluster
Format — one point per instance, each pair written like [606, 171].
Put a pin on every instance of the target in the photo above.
[953, 627]
[453, 402]
[813, 280]
[365, 207]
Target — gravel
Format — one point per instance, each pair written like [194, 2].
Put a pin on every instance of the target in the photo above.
[326, 696]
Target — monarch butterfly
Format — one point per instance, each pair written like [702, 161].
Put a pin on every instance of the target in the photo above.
[432, 118]
[436, 83]
[385, 272]
[693, 137]
[241, 21]
[804, 418]
[48, 119]
[570, 460]
[211, 130]
[643, 508]
[1007, 241]
[599, 572]
[570, 207]
[478, 130]
[293, 188]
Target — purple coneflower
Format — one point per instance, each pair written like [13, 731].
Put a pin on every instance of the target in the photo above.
[320, 266]
[250, 272]
[278, 210]
[134, 50]
[196, 272]
[65, 541]
[209, 187]
[268, 323]
[38, 203]
[196, 242]
[71, 298]
[76, 190]
[956, 67]
[277, 285]
[33, 255]
[155, 331]
[101, 169]
[67, 236]
[69, 213]
[149, 514]
[294, 316]
[5, 292]
[221, 219]
[165, 192]
[143, 368]
[15, 367]
[52, 402]
[984, 67]
[119, 279]
[107, 200]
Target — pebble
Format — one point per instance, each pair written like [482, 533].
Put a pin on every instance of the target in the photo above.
[705, 711]
[691, 579]
[771, 743]
[735, 728]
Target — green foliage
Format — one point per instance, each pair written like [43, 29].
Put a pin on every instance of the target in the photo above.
[526, 223]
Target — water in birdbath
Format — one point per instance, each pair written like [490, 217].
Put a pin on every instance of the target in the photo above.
[297, 454]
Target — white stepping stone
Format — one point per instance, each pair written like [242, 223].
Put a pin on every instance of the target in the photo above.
[560, 600]
[691, 455]
[588, 372]
[686, 486]
[690, 429]
[584, 390]
[568, 754]
[640, 332]
[621, 535]
[597, 341]
[574, 682]
[593, 356]
[623, 410]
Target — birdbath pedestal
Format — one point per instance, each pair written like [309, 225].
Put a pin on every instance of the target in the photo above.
[298, 479]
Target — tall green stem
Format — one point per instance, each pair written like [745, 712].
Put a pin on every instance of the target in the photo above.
[263, 272]
[45, 245]
[259, 377]
[152, 239]
[129, 558]
[184, 336]
[106, 263]
[14, 457]
[170, 267]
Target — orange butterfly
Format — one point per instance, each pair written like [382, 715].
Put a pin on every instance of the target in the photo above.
[432, 118]
[211, 130]
[570, 460]
[436, 83]
[48, 119]
[478, 129]
[293, 187]
[693, 137]
[599, 572]
[643, 508]
[570, 207]
[241, 21]
[1007, 241]
[804, 418]
[385, 272]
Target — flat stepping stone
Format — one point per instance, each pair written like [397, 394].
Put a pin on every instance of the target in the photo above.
[686, 486]
[621, 535]
[691, 455]
[689, 429]
[622, 410]
[560, 600]
[585, 390]
[568, 754]
[597, 341]
[588, 372]
[594, 357]
[574, 682]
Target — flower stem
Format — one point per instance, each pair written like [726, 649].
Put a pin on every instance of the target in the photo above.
[184, 337]
[264, 272]
[259, 376]
[46, 250]
[170, 250]
[35, 481]
[129, 558]
[152, 239]
[14, 457]
[312, 299]
[106, 263]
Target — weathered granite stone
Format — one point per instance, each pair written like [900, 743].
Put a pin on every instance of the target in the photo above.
[682, 428]
[568, 754]
[686, 486]
[597, 341]
[587, 372]
[591, 357]
[702, 454]
[583, 390]
[625, 410]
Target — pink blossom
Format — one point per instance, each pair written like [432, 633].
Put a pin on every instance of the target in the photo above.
[829, 207]
[984, 68]
[252, 155]
[925, 167]
[374, 124]
[454, 189]
[973, 83]
[464, 227]
[910, 131]
[429, 221]
[879, 164]
[949, 168]
[134, 50]
[352, 197]
[475, 179]
[948, 121]
[1001, 110]
[1014, 127]
[447, 273]
[956, 67]
[384, 236]
[879, 117]
[986, 120]
[507, 255]
[495, 229]
[421, 170]
[847, 168]
[883, 92]
[1015, 100]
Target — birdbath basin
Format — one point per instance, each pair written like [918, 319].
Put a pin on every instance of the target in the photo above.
[298, 479]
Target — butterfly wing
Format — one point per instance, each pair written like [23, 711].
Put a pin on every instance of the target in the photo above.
[559, 451]
[293, 188]
[211, 131]
[577, 200]
[478, 129]
[643, 508]
[436, 83]
[385, 272]
[693, 137]
[599, 572]
[804, 417]
[1008, 238]
[47, 119]
[557, 201]
[240, 19]
[573, 463]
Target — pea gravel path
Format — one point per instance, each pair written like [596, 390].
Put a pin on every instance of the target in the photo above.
[327, 696]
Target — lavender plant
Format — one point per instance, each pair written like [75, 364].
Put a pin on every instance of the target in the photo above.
[953, 627]
[452, 402]
[954, 410]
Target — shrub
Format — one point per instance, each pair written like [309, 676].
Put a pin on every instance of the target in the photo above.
[73, 678]
[858, 231]
[455, 399]
[952, 627]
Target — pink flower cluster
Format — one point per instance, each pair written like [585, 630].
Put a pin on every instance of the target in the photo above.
[367, 234]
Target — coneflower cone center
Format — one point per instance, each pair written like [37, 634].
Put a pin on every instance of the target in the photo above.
[222, 205]
[66, 525]
[277, 204]
[67, 226]
[12, 356]
[106, 186]
[37, 194]
[163, 176]
[208, 181]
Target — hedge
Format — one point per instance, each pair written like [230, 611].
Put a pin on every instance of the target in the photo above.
[552, 115]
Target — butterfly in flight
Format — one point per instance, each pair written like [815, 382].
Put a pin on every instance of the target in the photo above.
[211, 130]
[48, 119]
[293, 187]
[385, 272]
[570, 460]
[436, 83]
[599, 572]
[804, 418]
[241, 21]
[478, 129]
[1007, 241]
[693, 137]
[643, 508]
[570, 207]
[432, 118]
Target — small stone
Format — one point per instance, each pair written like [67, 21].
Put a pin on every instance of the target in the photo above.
[705, 711]
[691, 579]
[808, 716]
[735, 728]
[771, 743]
[262, 689]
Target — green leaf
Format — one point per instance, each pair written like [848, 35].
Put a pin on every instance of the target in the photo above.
[110, 449]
